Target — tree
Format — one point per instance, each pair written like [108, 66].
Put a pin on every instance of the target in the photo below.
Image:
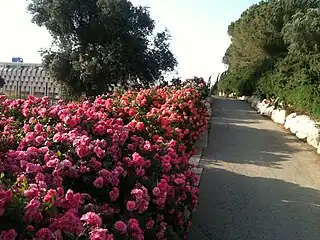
[176, 81]
[275, 51]
[302, 33]
[99, 44]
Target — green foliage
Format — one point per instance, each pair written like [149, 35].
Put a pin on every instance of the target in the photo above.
[274, 52]
[214, 87]
[176, 81]
[236, 82]
[101, 44]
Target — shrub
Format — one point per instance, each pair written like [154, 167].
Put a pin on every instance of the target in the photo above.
[110, 168]
[200, 85]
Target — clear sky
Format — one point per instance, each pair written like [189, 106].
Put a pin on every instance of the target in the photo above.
[198, 29]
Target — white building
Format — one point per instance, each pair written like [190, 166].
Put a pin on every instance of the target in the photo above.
[23, 79]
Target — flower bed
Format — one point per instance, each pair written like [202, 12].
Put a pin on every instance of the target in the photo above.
[114, 168]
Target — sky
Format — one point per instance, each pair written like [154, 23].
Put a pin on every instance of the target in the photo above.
[198, 31]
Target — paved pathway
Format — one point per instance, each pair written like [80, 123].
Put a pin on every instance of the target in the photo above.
[259, 181]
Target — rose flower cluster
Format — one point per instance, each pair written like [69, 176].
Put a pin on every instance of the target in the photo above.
[104, 169]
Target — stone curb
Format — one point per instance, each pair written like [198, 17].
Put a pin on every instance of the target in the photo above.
[300, 125]
[201, 144]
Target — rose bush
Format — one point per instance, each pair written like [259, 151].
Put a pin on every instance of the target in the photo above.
[111, 168]
[200, 85]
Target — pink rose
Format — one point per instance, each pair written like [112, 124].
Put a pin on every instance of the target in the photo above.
[99, 152]
[179, 181]
[121, 227]
[51, 196]
[156, 191]
[98, 183]
[133, 224]
[160, 235]
[132, 112]
[39, 177]
[71, 121]
[99, 234]
[39, 139]
[130, 146]
[38, 128]
[114, 194]
[92, 219]
[74, 199]
[131, 205]
[45, 234]
[82, 150]
[140, 126]
[140, 172]
[8, 235]
[26, 128]
[30, 228]
[33, 168]
[147, 146]
[149, 224]
[99, 129]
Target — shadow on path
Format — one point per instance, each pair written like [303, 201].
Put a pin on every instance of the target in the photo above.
[238, 135]
[247, 145]
[254, 182]
[238, 207]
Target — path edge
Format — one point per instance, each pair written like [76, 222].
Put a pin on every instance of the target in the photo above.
[200, 145]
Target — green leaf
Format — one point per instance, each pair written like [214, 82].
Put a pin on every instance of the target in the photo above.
[59, 153]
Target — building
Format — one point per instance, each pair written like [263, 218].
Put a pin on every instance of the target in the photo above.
[23, 79]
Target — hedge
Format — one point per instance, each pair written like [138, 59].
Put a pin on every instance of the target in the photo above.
[108, 168]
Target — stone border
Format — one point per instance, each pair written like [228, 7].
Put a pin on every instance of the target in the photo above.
[302, 126]
[201, 143]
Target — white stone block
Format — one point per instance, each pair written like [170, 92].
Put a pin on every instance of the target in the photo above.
[279, 116]
[268, 111]
[318, 150]
[243, 98]
[313, 137]
[301, 128]
[262, 106]
[290, 120]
